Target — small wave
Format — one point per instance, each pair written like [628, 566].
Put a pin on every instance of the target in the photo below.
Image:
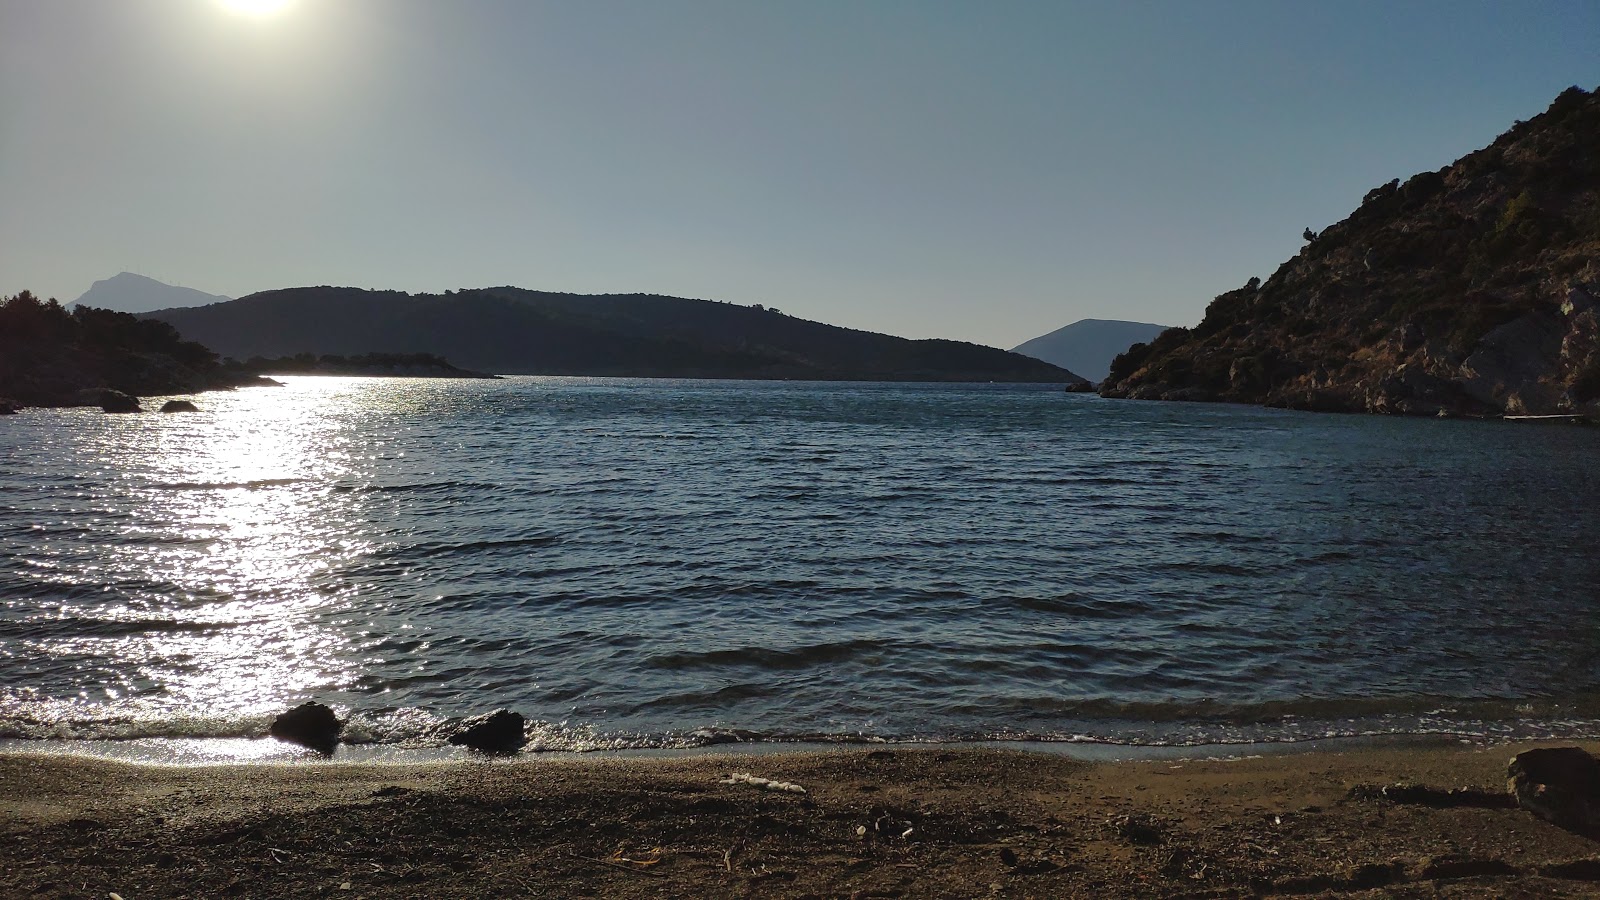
[1208, 568]
[60, 720]
[764, 657]
[1328, 556]
[1078, 606]
[78, 626]
[711, 699]
[1224, 537]
[428, 487]
[445, 548]
[227, 485]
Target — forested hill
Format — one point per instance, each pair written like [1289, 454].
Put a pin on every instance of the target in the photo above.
[1471, 290]
[52, 356]
[515, 331]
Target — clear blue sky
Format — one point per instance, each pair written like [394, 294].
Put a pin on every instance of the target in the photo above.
[983, 171]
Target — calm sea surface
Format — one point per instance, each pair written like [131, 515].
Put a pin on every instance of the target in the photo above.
[667, 563]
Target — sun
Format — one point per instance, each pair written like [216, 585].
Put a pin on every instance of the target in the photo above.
[256, 7]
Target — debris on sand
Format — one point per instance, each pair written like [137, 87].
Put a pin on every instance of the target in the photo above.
[788, 787]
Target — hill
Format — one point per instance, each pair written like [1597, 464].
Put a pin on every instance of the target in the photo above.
[130, 293]
[50, 356]
[1472, 290]
[370, 365]
[1087, 346]
[514, 331]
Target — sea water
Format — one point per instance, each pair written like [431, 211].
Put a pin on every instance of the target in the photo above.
[660, 563]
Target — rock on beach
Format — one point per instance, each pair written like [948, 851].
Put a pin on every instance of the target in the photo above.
[498, 732]
[310, 724]
[1558, 784]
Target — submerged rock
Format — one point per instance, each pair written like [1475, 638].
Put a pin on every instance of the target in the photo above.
[172, 406]
[310, 725]
[498, 732]
[1558, 784]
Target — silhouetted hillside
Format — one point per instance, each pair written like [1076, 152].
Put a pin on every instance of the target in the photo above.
[514, 331]
[379, 365]
[50, 356]
[1473, 290]
[1087, 346]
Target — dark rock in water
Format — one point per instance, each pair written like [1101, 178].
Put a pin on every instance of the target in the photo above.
[107, 399]
[498, 732]
[172, 406]
[1079, 387]
[9, 406]
[1558, 784]
[118, 402]
[310, 725]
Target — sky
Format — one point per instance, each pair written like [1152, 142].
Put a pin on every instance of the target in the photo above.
[979, 171]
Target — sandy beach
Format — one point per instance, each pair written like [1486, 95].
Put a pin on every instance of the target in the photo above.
[941, 821]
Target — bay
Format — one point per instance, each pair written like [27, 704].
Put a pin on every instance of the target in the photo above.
[637, 563]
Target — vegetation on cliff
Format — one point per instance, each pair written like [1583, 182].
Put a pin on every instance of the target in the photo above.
[514, 331]
[50, 356]
[1472, 290]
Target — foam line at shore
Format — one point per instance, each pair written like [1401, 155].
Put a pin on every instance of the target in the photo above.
[267, 751]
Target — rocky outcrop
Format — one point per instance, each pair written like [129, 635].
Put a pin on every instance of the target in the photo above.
[310, 724]
[108, 400]
[117, 402]
[1558, 784]
[176, 406]
[1467, 291]
[498, 732]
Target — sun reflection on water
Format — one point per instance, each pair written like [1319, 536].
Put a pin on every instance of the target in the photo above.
[231, 554]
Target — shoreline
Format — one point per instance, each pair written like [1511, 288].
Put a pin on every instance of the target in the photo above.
[261, 750]
[877, 820]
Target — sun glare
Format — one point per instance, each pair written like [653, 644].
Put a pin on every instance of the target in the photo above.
[255, 7]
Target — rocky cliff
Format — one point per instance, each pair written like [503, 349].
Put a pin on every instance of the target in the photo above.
[1473, 290]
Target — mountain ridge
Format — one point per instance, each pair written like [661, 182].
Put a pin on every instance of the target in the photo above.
[512, 330]
[1088, 346]
[131, 293]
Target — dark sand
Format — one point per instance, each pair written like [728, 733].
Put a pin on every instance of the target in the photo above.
[893, 822]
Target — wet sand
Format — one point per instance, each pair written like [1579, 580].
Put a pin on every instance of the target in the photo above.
[890, 822]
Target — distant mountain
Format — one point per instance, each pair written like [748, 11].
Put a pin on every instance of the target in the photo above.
[514, 331]
[130, 293]
[1472, 290]
[1087, 346]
